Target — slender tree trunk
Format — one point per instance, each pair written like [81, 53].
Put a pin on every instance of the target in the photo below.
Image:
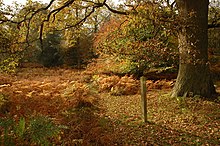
[194, 77]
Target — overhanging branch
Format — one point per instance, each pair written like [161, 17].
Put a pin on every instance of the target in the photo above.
[115, 11]
[68, 3]
[213, 26]
[29, 16]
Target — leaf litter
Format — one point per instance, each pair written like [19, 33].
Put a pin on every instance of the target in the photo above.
[115, 118]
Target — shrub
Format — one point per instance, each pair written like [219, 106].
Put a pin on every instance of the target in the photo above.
[50, 55]
[106, 83]
[4, 104]
[80, 95]
[125, 85]
[37, 130]
[10, 50]
[40, 129]
[9, 64]
[79, 54]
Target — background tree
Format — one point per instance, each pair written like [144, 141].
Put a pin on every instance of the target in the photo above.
[77, 39]
[29, 30]
[50, 54]
[10, 53]
[139, 40]
[214, 23]
[10, 49]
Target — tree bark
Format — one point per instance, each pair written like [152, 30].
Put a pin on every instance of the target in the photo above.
[194, 77]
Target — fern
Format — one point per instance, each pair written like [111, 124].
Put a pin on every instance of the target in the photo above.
[20, 128]
[37, 131]
[5, 136]
[41, 129]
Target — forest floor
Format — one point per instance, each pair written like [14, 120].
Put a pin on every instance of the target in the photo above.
[98, 109]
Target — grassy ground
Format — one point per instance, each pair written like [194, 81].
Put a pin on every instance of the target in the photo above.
[98, 109]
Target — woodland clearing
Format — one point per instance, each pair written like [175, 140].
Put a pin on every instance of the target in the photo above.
[98, 109]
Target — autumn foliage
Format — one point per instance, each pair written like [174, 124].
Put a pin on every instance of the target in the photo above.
[143, 42]
[89, 108]
[99, 103]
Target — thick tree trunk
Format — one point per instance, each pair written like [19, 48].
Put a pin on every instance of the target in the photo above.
[194, 77]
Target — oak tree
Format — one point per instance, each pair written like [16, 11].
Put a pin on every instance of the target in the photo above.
[194, 77]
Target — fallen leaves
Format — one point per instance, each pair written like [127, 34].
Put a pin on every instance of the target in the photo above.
[53, 92]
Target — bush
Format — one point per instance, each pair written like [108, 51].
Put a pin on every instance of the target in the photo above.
[79, 53]
[80, 95]
[4, 104]
[37, 130]
[10, 50]
[125, 85]
[9, 63]
[50, 55]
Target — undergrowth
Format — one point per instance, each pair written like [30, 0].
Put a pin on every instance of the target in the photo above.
[35, 131]
[99, 109]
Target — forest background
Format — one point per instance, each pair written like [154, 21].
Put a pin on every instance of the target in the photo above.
[76, 75]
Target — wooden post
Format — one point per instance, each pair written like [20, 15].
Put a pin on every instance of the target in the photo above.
[143, 98]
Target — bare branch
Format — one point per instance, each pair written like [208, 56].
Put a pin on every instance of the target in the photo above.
[214, 26]
[27, 18]
[115, 11]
